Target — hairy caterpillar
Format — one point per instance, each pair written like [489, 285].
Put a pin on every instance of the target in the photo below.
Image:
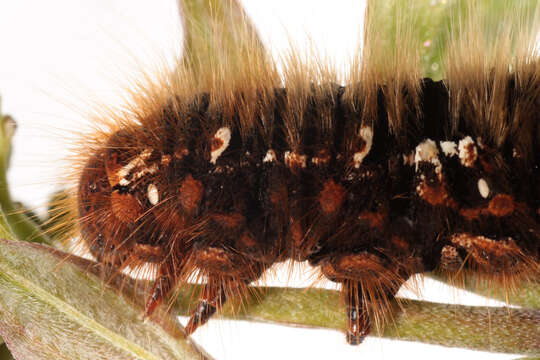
[304, 91]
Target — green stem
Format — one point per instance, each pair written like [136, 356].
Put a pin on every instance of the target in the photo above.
[525, 294]
[480, 328]
[22, 227]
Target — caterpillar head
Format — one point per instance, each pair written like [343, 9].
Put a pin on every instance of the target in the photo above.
[135, 198]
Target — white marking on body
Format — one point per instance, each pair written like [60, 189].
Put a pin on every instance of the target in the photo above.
[270, 156]
[427, 151]
[366, 134]
[136, 162]
[449, 148]
[319, 161]
[323, 159]
[483, 188]
[223, 137]
[147, 170]
[152, 194]
[467, 152]
[221, 169]
[293, 159]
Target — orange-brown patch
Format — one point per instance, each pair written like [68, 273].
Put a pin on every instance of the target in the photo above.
[125, 207]
[148, 252]
[112, 167]
[331, 197]
[367, 262]
[488, 252]
[230, 221]
[374, 219]
[216, 143]
[180, 153]
[358, 266]
[501, 205]
[471, 213]
[191, 193]
[213, 258]
[218, 261]
[434, 195]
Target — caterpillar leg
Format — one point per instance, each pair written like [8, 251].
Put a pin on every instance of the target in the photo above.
[212, 298]
[369, 284]
[358, 324]
[162, 287]
[228, 273]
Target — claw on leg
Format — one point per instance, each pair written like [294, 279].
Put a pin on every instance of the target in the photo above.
[162, 287]
[358, 324]
[212, 298]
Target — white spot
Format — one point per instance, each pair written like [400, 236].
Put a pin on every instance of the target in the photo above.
[152, 194]
[427, 151]
[221, 169]
[270, 156]
[467, 151]
[293, 159]
[449, 148]
[483, 188]
[366, 133]
[223, 135]
[323, 159]
[320, 160]
[136, 162]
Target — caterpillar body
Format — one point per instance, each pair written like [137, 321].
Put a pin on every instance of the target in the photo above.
[227, 167]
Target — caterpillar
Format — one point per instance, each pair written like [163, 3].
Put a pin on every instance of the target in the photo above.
[227, 166]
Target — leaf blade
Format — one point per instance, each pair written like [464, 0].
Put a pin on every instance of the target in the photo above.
[40, 318]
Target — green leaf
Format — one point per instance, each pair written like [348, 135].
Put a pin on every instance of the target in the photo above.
[55, 306]
[435, 20]
[215, 30]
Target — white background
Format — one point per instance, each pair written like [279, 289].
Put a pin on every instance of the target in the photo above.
[61, 58]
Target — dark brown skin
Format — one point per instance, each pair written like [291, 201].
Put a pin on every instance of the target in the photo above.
[369, 224]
